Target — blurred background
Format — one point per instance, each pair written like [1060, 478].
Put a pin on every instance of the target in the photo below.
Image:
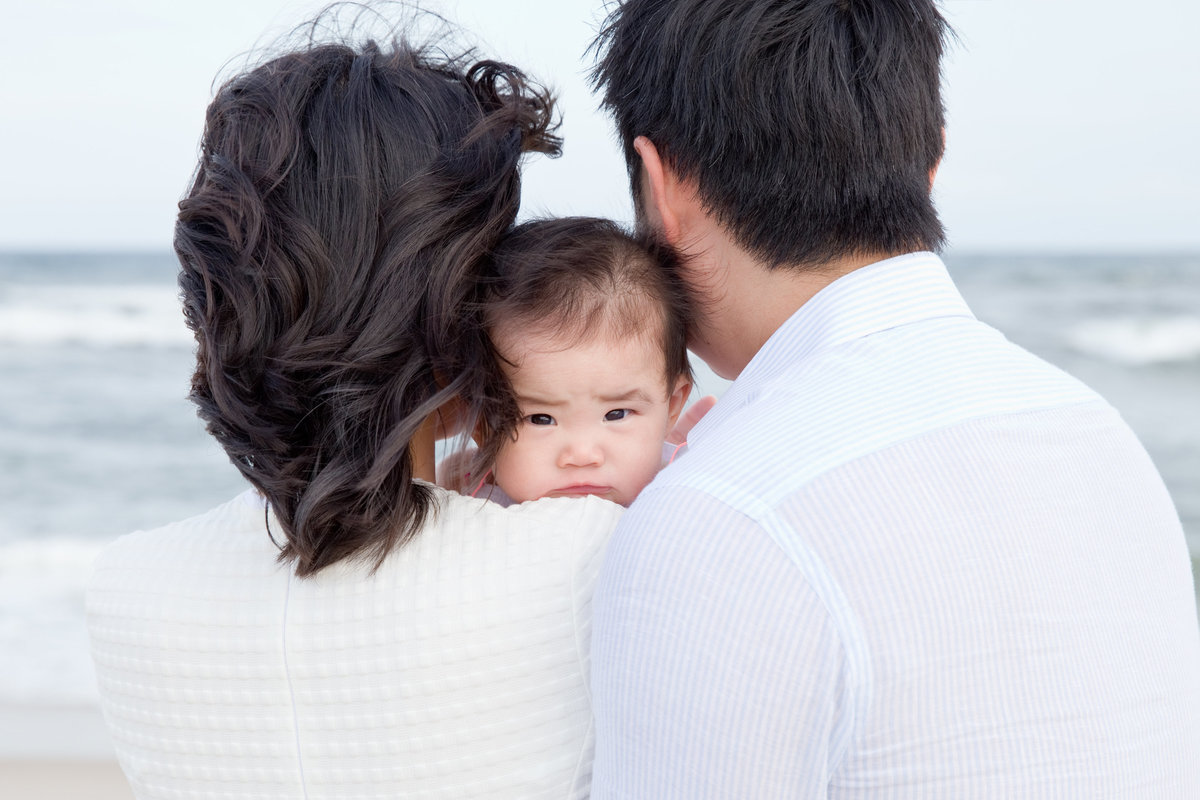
[1069, 189]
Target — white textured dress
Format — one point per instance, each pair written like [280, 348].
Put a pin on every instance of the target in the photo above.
[457, 670]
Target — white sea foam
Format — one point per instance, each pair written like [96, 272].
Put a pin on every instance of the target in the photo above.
[137, 315]
[1138, 341]
[66, 562]
[43, 637]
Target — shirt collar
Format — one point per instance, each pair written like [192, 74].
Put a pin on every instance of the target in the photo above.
[880, 296]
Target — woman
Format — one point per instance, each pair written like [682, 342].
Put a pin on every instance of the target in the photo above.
[400, 640]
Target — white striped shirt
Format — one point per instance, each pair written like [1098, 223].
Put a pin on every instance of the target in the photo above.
[902, 558]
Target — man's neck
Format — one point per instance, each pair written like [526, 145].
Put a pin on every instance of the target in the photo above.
[751, 302]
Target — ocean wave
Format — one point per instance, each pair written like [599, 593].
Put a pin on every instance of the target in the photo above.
[43, 635]
[64, 561]
[1138, 341]
[103, 316]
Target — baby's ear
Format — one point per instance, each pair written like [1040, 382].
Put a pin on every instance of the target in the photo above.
[677, 400]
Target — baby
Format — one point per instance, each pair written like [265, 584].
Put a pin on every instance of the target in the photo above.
[588, 329]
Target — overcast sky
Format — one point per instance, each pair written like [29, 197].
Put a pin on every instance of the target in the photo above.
[1073, 124]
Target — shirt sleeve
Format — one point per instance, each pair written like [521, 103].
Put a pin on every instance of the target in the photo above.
[716, 671]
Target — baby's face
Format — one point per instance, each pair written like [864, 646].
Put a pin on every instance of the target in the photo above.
[594, 416]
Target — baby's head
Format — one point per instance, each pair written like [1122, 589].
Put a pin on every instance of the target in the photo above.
[589, 330]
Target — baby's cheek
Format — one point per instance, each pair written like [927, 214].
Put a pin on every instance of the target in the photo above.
[649, 467]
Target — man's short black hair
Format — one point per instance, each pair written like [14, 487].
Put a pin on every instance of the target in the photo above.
[810, 127]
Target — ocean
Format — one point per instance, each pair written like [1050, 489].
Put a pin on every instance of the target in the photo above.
[97, 438]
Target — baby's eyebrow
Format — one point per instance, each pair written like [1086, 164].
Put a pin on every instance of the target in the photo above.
[633, 394]
[531, 400]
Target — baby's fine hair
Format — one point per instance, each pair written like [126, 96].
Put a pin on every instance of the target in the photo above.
[577, 278]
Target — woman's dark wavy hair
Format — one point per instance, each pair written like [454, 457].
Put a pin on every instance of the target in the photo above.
[575, 278]
[345, 201]
[809, 126]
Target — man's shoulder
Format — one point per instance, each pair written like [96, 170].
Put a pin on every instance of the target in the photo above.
[830, 408]
[743, 458]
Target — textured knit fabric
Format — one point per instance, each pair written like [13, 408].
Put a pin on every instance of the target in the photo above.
[457, 670]
[902, 558]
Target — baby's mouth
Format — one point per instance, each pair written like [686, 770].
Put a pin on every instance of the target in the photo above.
[581, 490]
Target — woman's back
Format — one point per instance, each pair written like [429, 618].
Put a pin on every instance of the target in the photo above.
[348, 194]
[458, 669]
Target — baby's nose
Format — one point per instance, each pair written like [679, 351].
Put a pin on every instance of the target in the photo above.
[581, 451]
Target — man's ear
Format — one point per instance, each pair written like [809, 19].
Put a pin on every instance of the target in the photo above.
[677, 400]
[659, 190]
[933, 172]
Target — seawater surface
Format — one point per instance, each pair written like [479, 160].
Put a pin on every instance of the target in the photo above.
[97, 437]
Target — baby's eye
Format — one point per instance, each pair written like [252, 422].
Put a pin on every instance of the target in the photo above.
[540, 419]
[616, 414]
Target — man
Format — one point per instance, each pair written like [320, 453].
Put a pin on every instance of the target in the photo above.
[902, 557]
